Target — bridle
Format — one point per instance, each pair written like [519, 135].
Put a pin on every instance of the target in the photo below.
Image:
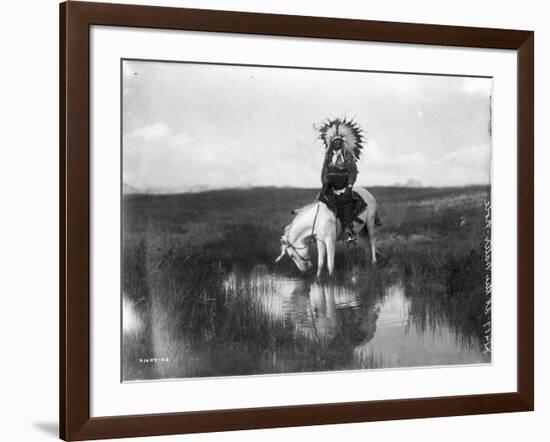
[290, 245]
[293, 247]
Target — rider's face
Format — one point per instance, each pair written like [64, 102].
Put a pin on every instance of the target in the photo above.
[337, 144]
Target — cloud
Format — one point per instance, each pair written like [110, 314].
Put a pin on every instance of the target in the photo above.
[189, 126]
[468, 156]
[151, 131]
[471, 164]
[466, 165]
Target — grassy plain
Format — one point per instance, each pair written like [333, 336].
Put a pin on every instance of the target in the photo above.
[178, 251]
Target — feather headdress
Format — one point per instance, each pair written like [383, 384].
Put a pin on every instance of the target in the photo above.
[347, 130]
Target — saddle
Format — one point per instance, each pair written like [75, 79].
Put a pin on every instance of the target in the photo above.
[359, 205]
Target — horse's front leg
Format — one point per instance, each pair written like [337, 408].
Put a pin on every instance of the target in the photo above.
[331, 248]
[321, 252]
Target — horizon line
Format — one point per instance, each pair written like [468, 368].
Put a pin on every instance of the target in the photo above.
[168, 191]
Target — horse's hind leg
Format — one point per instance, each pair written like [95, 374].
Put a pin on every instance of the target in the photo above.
[371, 229]
[373, 247]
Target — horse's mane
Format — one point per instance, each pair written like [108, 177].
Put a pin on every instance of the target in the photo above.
[297, 212]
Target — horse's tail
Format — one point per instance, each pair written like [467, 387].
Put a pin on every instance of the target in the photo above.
[377, 222]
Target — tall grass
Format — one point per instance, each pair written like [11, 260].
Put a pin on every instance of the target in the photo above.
[180, 250]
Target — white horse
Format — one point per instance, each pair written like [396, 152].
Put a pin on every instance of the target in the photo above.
[316, 222]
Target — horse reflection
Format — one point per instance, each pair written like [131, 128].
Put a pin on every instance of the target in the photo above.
[312, 310]
[319, 312]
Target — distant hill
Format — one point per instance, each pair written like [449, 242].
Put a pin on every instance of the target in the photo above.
[410, 183]
[129, 190]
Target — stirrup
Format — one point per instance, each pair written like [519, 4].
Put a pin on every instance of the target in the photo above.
[352, 238]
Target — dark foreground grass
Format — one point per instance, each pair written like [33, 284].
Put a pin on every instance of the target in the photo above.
[180, 250]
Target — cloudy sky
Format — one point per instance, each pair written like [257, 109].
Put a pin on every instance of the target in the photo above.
[190, 126]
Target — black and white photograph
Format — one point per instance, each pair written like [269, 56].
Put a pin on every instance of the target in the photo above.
[280, 219]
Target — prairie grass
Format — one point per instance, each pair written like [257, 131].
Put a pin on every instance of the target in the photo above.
[180, 250]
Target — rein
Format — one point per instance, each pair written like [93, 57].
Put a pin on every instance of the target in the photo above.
[315, 219]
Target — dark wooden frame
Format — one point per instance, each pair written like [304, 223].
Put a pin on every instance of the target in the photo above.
[75, 21]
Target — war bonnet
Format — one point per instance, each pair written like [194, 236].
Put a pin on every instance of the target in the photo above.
[346, 130]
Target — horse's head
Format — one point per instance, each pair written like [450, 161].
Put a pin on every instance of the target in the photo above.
[299, 253]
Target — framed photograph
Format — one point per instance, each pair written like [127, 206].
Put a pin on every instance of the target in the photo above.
[272, 220]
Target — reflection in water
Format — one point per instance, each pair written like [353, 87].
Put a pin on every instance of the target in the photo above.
[310, 307]
[315, 310]
[131, 321]
[259, 322]
[397, 344]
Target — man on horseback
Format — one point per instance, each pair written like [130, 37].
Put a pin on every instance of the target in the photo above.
[342, 139]
[340, 201]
